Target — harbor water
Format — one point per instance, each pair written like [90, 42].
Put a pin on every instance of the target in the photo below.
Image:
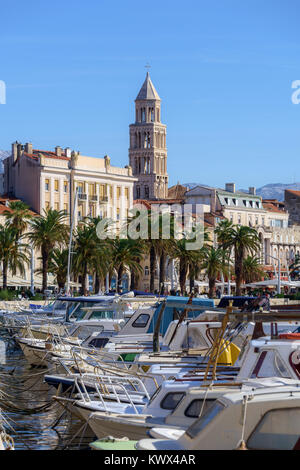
[31, 417]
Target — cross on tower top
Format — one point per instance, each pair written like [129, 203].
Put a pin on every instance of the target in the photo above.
[147, 66]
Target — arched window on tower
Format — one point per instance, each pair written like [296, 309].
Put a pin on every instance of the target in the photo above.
[143, 114]
[138, 192]
[152, 114]
[145, 140]
[148, 140]
[146, 192]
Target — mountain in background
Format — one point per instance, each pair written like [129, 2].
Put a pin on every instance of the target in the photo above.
[276, 190]
[268, 191]
[3, 154]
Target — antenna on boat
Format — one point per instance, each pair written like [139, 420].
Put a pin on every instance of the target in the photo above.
[70, 242]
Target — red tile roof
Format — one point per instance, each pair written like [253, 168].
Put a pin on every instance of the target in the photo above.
[272, 208]
[46, 153]
[5, 199]
[297, 193]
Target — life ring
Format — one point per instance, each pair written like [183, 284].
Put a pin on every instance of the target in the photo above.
[289, 336]
[295, 358]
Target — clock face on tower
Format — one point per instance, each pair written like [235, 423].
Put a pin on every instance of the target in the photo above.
[148, 151]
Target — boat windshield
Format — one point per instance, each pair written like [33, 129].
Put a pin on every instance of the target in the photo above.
[58, 305]
[207, 417]
[102, 314]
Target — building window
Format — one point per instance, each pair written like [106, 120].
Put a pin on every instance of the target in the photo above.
[65, 208]
[47, 185]
[56, 208]
[56, 185]
[65, 186]
[239, 219]
[127, 193]
[118, 213]
[146, 192]
[263, 221]
[118, 192]
[146, 270]
[138, 192]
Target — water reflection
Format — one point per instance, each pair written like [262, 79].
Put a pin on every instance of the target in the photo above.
[35, 421]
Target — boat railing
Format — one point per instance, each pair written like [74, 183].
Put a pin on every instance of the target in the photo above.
[112, 367]
[113, 387]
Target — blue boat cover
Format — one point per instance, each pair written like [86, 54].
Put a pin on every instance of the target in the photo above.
[172, 308]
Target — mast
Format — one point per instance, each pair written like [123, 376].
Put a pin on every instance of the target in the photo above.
[70, 243]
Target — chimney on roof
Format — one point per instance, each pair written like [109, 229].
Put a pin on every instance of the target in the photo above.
[14, 150]
[230, 187]
[28, 148]
[68, 152]
[58, 151]
[252, 190]
[19, 149]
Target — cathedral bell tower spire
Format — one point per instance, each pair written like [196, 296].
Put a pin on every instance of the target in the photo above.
[147, 150]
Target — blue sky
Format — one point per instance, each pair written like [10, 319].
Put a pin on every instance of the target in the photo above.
[223, 70]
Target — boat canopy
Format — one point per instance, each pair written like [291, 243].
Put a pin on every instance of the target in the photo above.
[174, 307]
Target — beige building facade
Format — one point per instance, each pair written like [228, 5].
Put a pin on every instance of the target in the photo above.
[50, 179]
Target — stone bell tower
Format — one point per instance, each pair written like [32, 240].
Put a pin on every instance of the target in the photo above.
[147, 151]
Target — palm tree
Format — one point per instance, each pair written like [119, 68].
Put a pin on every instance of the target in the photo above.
[58, 265]
[214, 262]
[186, 258]
[101, 256]
[157, 247]
[126, 253]
[86, 251]
[244, 240]
[13, 254]
[18, 216]
[252, 269]
[47, 232]
[294, 267]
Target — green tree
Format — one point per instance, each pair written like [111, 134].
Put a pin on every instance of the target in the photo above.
[215, 263]
[18, 216]
[244, 241]
[252, 269]
[85, 252]
[47, 232]
[58, 266]
[126, 253]
[13, 253]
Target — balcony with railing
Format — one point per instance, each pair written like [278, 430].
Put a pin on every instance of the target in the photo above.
[103, 199]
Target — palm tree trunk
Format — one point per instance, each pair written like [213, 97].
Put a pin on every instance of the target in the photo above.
[4, 274]
[83, 280]
[119, 281]
[212, 287]
[97, 283]
[45, 262]
[162, 272]
[182, 277]
[239, 256]
[192, 279]
[152, 268]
